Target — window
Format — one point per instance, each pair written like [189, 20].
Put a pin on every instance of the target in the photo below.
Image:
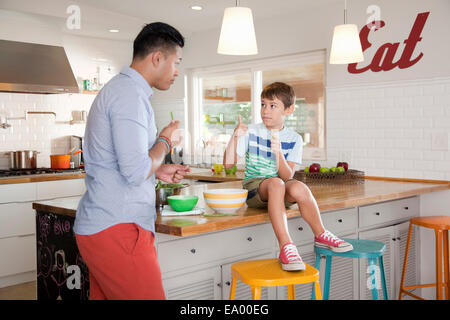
[219, 94]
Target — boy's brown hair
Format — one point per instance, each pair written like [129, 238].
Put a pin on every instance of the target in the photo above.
[281, 91]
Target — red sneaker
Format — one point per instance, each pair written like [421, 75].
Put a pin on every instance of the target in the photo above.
[290, 259]
[329, 241]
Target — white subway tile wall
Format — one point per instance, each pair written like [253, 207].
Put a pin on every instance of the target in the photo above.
[393, 129]
[39, 132]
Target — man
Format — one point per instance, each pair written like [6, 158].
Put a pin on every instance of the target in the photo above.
[114, 225]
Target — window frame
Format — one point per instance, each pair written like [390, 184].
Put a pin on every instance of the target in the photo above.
[255, 68]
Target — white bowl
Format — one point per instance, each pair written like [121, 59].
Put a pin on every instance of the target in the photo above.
[225, 201]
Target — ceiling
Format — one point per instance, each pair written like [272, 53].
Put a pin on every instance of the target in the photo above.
[98, 16]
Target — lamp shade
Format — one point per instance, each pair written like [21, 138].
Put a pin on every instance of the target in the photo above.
[237, 36]
[346, 45]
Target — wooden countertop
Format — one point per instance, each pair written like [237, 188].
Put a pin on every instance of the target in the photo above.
[329, 197]
[206, 174]
[41, 177]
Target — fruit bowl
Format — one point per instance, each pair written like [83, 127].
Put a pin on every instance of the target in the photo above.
[182, 203]
[225, 201]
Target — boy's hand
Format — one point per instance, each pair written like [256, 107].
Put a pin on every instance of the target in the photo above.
[275, 143]
[241, 128]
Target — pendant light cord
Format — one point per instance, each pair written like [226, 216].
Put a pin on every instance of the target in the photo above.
[345, 11]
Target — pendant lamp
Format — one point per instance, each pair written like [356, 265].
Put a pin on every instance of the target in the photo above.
[237, 35]
[346, 45]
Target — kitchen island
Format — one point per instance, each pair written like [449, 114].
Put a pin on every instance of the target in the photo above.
[196, 252]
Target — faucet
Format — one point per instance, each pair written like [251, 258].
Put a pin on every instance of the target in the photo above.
[4, 120]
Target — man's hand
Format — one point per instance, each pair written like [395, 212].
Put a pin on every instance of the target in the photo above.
[172, 173]
[173, 133]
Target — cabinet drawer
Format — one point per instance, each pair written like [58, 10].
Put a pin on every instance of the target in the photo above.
[379, 213]
[192, 251]
[59, 189]
[341, 221]
[18, 255]
[17, 192]
[337, 222]
[17, 219]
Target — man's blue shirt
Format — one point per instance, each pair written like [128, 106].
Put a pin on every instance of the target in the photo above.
[120, 130]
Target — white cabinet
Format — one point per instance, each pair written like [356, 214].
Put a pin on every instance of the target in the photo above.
[59, 189]
[18, 225]
[17, 219]
[395, 238]
[216, 246]
[18, 255]
[198, 285]
[242, 289]
[18, 192]
[388, 212]
[384, 235]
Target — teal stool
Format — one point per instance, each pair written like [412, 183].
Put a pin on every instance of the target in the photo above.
[362, 249]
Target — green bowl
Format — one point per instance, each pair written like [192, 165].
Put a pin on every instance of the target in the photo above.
[182, 202]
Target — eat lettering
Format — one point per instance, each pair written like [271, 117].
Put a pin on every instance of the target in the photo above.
[388, 50]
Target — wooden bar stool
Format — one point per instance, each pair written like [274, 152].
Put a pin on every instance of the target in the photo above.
[268, 273]
[362, 249]
[441, 225]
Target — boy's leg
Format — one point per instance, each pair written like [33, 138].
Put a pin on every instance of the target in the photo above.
[273, 191]
[297, 191]
[300, 193]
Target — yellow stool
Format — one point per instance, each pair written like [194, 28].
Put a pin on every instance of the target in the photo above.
[268, 273]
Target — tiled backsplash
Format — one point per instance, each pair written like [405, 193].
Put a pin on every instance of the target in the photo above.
[42, 133]
[391, 129]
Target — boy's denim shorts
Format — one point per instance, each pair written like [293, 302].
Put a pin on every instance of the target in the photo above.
[253, 198]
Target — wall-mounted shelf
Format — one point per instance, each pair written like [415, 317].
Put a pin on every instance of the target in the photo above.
[89, 91]
[218, 98]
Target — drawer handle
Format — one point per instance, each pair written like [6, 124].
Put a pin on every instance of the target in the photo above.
[377, 213]
[228, 283]
[340, 220]
[300, 228]
[406, 208]
[398, 238]
[193, 250]
[393, 239]
[249, 239]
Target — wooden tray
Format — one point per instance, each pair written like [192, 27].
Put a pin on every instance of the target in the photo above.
[349, 177]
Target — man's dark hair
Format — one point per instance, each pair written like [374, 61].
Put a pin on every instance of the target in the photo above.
[280, 90]
[156, 36]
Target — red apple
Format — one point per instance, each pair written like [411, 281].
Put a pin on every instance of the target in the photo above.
[343, 165]
[315, 167]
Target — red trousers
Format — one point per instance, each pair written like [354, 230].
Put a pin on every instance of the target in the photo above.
[122, 263]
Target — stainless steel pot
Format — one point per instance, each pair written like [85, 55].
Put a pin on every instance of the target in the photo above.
[163, 193]
[25, 159]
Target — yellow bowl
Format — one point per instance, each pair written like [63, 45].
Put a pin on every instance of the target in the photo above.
[225, 201]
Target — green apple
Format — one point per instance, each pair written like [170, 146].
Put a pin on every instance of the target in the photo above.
[340, 169]
[333, 169]
[306, 169]
[324, 170]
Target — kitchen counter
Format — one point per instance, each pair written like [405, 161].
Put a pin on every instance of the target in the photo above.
[42, 177]
[329, 197]
[206, 174]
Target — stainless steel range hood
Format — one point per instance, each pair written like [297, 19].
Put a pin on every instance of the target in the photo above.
[35, 68]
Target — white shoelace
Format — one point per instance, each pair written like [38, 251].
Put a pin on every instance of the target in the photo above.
[292, 253]
[327, 235]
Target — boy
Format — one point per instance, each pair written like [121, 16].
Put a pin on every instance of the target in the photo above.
[273, 153]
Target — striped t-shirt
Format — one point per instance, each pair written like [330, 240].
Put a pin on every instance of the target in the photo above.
[260, 161]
